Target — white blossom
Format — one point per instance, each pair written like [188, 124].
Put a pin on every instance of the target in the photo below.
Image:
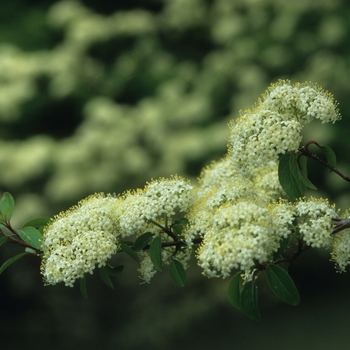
[316, 221]
[341, 250]
[80, 238]
[239, 235]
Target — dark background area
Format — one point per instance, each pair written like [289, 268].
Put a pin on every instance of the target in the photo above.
[103, 96]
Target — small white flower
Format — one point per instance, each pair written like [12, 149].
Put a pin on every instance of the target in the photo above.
[316, 221]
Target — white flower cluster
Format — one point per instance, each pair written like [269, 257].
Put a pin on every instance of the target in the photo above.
[238, 210]
[341, 250]
[87, 235]
[159, 198]
[241, 234]
[274, 125]
[78, 239]
[316, 226]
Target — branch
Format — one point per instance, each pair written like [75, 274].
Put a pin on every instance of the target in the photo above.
[306, 152]
[340, 224]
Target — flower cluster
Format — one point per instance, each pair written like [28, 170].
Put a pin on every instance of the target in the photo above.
[316, 226]
[241, 235]
[274, 125]
[88, 234]
[341, 250]
[78, 239]
[159, 198]
[237, 208]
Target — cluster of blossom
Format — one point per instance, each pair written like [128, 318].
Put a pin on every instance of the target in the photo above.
[274, 125]
[239, 234]
[237, 208]
[317, 228]
[78, 239]
[87, 235]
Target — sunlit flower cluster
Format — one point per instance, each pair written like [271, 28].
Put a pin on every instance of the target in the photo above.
[301, 101]
[274, 125]
[87, 234]
[341, 250]
[316, 225]
[78, 239]
[159, 198]
[241, 235]
[237, 209]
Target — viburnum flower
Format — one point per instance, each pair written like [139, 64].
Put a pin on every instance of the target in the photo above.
[316, 216]
[274, 124]
[88, 234]
[341, 250]
[77, 240]
[159, 198]
[241, 234]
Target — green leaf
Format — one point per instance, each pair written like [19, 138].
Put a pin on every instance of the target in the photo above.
[37, 222]
[10, 261]
[128, 250]
[155, 253]
[184, 221]
[303, 173]
[330, 155]
[105, 277]
[249, 301]
[31, 236]
[282, 285]
[288, 175]
[7, 206]
[234, 290]
[114, 271]
[177, 272]
[3, 240]
[307, 182]
[142, 241]
[177, 229]
[83, 289]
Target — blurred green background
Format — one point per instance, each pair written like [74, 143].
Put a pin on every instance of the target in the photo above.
[104, 95]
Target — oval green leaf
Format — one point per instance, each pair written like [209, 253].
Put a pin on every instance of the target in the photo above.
[7, 206]
[31, 236]
[177, 272]
[177, 229]
[105, 277]
[155, 253]
[330, 155]
[288, 175]
[234, 290]
[10, 261]
[3, 240]
[282, 284]
[37, 222]
[128, 250]
[142, 241]
[114, 271]
[249, 301]
[303, 173]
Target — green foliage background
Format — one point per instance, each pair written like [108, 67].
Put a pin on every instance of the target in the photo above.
[104, 95]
